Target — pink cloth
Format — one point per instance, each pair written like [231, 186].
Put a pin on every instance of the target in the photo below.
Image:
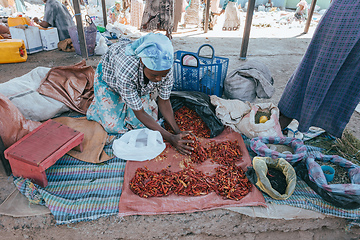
[132, 204]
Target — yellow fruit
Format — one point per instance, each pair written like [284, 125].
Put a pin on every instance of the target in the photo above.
[263, 119]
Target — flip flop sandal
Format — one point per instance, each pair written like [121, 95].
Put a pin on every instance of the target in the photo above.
[292, 133]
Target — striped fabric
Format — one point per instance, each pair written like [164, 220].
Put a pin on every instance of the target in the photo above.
[316, 175]
[77, 190]
[80, 191]
[305, 197]
[258, 145]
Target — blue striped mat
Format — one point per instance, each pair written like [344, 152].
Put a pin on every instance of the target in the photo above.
[305, 197]
[78, 191]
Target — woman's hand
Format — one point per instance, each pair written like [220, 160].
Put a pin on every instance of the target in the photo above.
[181, 144]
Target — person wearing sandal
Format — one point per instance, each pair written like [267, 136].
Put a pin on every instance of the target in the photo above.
[324, 90]
[232, 15]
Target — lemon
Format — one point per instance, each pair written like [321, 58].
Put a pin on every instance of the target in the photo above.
[263, 119]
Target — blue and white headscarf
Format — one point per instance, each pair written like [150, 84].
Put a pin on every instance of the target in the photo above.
[154, 49]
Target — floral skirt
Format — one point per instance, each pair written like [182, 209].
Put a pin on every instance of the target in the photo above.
[112, 112]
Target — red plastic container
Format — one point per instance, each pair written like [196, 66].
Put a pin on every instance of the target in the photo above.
[37, 151]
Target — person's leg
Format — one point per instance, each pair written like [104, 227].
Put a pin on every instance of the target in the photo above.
[284, 121]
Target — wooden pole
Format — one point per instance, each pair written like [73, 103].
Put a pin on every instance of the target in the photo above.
[206, 22]
[80, 29]
[312, 8]
[246, 35]
[103, 6]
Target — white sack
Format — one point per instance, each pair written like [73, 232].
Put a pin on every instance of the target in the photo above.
[21, 91]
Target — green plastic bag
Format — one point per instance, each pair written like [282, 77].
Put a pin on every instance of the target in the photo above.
[257, 175]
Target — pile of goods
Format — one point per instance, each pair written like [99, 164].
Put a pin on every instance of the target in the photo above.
[229, 180]
[188, 120]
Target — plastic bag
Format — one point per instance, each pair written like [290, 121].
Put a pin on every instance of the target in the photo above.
[199, 102]
[101, 47]
[345, 196]
[139, 145]
[257, 175]
[271, 128]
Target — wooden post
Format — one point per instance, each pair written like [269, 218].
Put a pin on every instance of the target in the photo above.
[80, 29]
[246, 35]
[103, 6]
[206, 21]
[312, 8]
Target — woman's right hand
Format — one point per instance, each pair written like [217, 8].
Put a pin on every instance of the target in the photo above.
[181, 144]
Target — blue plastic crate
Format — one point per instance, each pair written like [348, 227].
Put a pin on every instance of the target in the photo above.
[198, 73]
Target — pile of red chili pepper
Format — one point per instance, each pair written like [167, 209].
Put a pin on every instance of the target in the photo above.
[228, 181]
[199, 154]
[188, 120]
[225, 153]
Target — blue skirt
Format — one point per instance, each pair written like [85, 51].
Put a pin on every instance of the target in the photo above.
[324, 90]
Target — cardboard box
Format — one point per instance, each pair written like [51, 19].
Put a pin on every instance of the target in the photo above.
[49, 38]
[31, 37]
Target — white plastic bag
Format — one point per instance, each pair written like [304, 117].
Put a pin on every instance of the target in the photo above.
[139, 145]
[101, 46]
[270, 128]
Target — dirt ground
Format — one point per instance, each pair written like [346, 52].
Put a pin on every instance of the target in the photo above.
[281, 49]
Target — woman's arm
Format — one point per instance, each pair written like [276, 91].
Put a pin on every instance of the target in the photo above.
[168, 114]
[43, 24]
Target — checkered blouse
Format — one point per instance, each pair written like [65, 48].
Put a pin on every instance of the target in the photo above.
[124, 74]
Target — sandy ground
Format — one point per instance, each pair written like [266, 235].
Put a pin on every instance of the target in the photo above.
[281, 49]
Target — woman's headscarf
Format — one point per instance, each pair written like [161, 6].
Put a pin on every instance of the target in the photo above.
[154, 49]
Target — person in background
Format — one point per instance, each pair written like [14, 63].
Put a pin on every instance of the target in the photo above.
[158, 15]
[126, 75]
[232, 15]
[301, 12]
[324, 90]
[114, 12]
[56, 15]
[268, 6]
